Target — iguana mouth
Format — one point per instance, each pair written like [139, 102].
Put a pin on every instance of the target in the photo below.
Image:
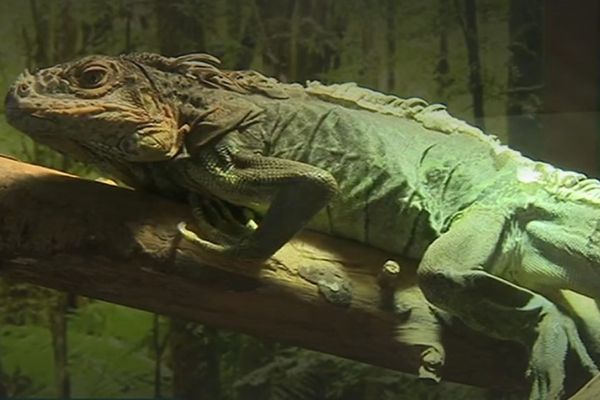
[31, 117]
[42, 117]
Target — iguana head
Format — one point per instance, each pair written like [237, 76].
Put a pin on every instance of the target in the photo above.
[96, 107]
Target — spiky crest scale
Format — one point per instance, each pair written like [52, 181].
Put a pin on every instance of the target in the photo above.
[204, 68]
[431, 116]
[565, 185]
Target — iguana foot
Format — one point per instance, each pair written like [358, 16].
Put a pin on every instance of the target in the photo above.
[217, 222]
[223, 233]
[557, 337]
[432, 361]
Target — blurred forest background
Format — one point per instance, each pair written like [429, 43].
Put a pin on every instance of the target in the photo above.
[486, 59]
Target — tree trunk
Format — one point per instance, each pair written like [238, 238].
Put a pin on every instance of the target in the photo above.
[391, 32]
[468, 20]
[525, 22]
[160, 344]
[195, 361]
[3, 391]
[442, 69]
[179, 32]
[58, 328]
[40, 26]
[293, 59]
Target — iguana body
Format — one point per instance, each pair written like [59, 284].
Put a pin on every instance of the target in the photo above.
[489, 226]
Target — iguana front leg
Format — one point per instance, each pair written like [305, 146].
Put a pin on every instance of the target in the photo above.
[453, 277]
[291, 192]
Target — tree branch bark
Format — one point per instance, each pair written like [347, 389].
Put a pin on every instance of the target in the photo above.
[317, 292]
[591, 391]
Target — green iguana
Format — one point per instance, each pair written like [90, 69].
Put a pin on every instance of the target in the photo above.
[496, 233]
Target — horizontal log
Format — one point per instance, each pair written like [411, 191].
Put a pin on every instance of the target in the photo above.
[318, 292]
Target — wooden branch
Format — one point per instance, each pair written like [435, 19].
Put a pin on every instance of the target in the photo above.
[317, 292]
[591, 391]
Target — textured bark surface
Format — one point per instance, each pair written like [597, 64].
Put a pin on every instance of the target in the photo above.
[318, 292]
[591, 391]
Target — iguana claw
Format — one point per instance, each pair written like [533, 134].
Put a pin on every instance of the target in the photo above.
[238, 250]
[191, 236]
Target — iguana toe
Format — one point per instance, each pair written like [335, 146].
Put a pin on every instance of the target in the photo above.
[217, 222]
[191, 236]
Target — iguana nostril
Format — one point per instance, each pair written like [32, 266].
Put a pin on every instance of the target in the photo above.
[23, 89]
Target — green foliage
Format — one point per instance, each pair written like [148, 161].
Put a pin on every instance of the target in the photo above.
[28, 370]
[23, 304]
[288, 376]
[295, 374]
[109, 354]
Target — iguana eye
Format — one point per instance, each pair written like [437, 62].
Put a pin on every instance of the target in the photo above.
[93, 77]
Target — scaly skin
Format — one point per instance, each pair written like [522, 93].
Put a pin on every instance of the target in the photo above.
[497, 234]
